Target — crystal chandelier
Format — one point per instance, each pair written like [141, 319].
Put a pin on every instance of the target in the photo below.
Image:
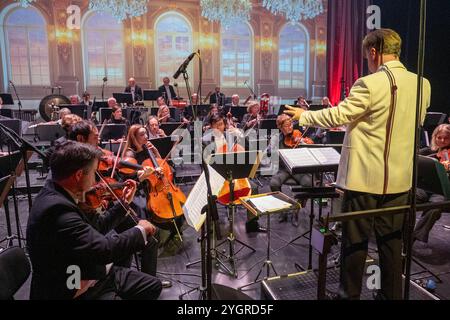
[227, 12]
[25, 3]
[295, 10]
[120, 9]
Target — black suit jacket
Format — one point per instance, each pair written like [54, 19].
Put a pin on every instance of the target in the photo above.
[59, 235]
[162, 91]
[218, 98]
[137, 92]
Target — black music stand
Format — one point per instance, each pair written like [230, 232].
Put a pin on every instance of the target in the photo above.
[9, 169]
[164, 145]
[7, 99]
[231, 166]
[99, 104]
[105, 114]
[432, 120]
[78, 109]
[238, 112]
[170, 127]
[201, 110]
[49, 132]
[151, 95]
[13, 124]
[247, 203]
[112, 132]
[126, 98]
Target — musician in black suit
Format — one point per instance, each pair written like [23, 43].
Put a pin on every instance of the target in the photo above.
[134, 89]
[217, 97]
[71, 253]
[167, 91]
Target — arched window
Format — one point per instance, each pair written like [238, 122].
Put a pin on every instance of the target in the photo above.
[173, 44]
[293, 57]
[27, 47]
[237, 56]
[103, 52]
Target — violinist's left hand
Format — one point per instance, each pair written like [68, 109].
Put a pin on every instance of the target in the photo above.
[295, 113]
[129, 191]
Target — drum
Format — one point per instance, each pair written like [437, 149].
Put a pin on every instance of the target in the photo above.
[48, 105]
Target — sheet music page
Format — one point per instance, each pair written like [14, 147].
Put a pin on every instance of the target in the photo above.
[269, 204]
[298, 157]
[197, 198]
[326, 156]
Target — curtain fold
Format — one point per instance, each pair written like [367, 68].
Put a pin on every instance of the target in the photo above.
[346, 30]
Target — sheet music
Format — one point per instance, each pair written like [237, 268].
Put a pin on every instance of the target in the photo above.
[269, 204]
[197, 198]
[326, 156]
[306, 157]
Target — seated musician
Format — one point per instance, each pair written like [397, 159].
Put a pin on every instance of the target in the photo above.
[60, 236]
[112, 102]
[218, 126]
[153, 129]
[134, 89]
[116, 116]
[139, 148]
[284, 124]
[235, 100]
[217, 97]
[251, 119]
[167, 91]
[440, 145]
[87, 99]
[213, 109]
[164, 114]
[326, 102]
[74, 99]
[62, 113]
[302, 103]
[86, 132]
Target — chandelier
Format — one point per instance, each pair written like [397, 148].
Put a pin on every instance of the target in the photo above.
[120, 9]
[227, 12]
[295, 10]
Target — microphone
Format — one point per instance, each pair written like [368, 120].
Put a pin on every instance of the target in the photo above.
[105, 79]
[184, 65]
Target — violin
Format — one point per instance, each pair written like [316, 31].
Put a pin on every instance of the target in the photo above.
[444, 158]
[296, 138]
[95, 197]
[125, 166]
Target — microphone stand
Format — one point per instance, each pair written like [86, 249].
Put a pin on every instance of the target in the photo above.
[103, 89]
[251, 90]
[19, 103]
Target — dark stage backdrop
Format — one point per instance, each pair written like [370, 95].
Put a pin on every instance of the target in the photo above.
[403, 16]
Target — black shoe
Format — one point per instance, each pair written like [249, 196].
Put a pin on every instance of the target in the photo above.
[253, 226]
[329, 295]
[166, 284]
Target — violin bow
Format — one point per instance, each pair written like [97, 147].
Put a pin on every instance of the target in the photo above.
[117, 158]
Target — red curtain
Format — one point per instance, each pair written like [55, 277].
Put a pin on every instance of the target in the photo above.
[346, 30]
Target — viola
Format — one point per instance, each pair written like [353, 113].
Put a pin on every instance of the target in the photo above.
[296, 138]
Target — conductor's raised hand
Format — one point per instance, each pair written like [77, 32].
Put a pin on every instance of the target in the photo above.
[295, 113]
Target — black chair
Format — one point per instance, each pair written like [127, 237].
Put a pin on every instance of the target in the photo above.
[14, 271]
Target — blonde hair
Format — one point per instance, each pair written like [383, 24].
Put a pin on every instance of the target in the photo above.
[439, 129]
[385, 41]
[282, 118]
[251, 104]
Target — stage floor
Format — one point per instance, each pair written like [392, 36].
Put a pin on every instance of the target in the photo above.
[176, 254]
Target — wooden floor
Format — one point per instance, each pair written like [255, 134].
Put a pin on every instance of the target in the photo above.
[286, 257]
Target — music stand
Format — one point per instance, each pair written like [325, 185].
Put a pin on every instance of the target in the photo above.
[78, 109]
[6, 113]
[170, 127]
[151, 95]
[433, 177]
[238, 112]
[105, 114]
[98, 105]
[7, 99]
[10, 168]
[335, 137]
[126, 98]
[112, 132]
[13, 124]
[201, 110]
[164, 145]
[231, 166]
[49, 132]
[259, 211]
[432, 120]
[317, 107]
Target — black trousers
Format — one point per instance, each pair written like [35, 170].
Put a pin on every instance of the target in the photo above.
[124, 284]
[355, 239]
[429, 217]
